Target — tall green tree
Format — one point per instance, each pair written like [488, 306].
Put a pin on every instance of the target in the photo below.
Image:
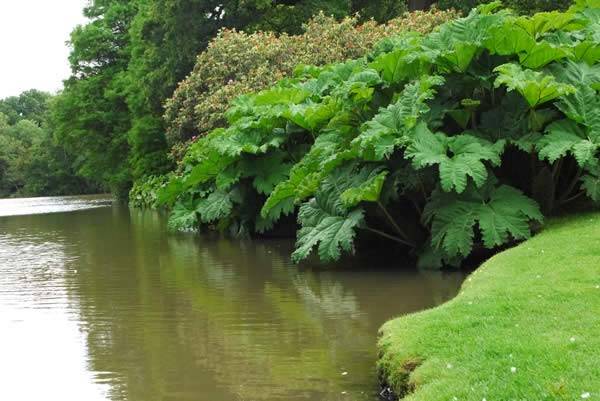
[11, 151]
[91, 117]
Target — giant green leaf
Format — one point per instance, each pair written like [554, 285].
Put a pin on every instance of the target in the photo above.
[389, 128]
[331, 233]
[183, 216]
[459, 57]
[543, 22]
[458, 157]
[537, 88]
[311, 115]
[518, 36]
[306, 175]
[542, 53]
[404, 63]
[236, 141]
[366, 186]
[591, 184]
[167, 195]
[580, 134]
[281, 95]
[587, 51]
[456, 44]
[500, 212]
[566, 136]
[508, 39]
[583, 107]
[266, 171]
[282, 198]
[328, 219]
[576, 73]
[215, 206]
[207, 169]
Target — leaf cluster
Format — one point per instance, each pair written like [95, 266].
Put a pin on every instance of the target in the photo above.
[32, 163]
[237, 62]
[442, 143]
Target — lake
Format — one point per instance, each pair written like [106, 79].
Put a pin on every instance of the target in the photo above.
[100, 302]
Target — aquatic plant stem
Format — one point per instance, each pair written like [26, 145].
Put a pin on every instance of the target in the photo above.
[388, 236]
[392, 221]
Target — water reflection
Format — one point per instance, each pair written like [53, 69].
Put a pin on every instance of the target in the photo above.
[42, 205]
[176, 317]
[42, 353]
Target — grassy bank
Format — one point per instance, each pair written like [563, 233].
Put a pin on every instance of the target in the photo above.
[525, 326]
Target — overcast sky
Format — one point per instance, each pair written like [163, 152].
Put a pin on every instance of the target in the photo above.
[33, 53]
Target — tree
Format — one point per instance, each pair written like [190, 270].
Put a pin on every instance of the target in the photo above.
[91, 117]
[32, 163]
[30, 105]
[49, 171]
[12, 152]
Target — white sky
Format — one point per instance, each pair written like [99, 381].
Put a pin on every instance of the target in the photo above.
[33, 53]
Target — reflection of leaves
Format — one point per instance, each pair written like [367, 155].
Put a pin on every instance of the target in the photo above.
[331, 299]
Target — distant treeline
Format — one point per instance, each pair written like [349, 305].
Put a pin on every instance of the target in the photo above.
[32, 162]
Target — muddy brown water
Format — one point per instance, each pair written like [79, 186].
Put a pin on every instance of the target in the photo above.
[100, 302]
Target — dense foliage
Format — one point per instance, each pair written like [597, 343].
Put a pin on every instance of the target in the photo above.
[31, 161]
[90, 117]
[127, 60]
[144, 193]
[30, 105]
[441, 143]
[237, 62]
[519, 6]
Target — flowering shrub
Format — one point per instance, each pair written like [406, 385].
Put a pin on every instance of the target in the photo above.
[236, 63]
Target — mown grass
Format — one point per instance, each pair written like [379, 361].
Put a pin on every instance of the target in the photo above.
[525, 326]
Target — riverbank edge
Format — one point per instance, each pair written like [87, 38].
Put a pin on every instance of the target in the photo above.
[486, 342]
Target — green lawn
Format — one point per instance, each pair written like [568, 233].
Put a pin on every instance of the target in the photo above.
[525, 326]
